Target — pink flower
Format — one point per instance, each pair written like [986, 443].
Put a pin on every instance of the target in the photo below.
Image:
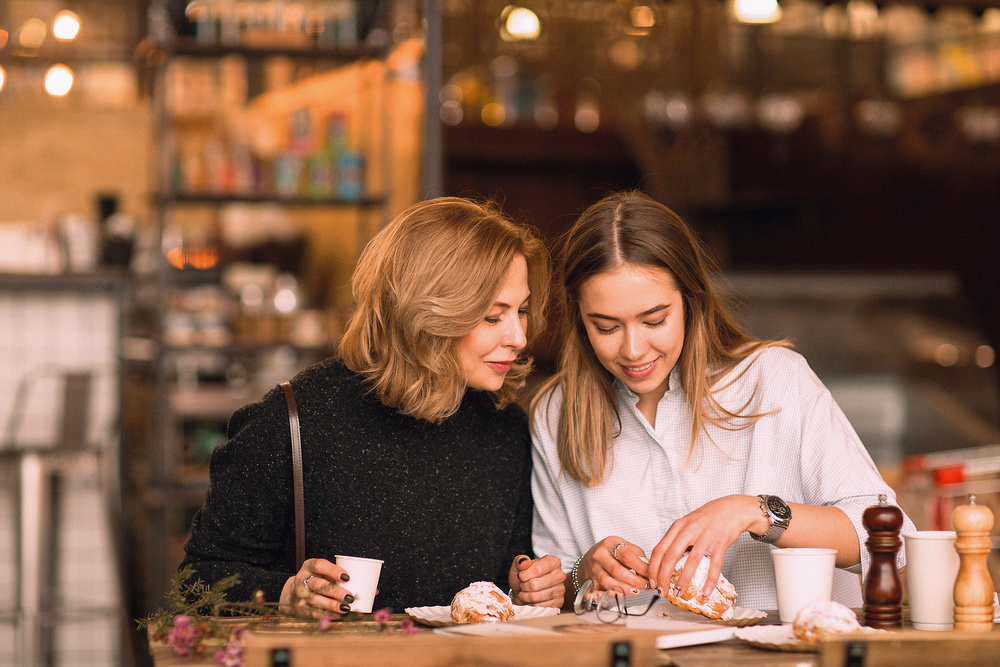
[381, 616]
[324, 623]
[407, 626]
[232, 655]
[184, 637]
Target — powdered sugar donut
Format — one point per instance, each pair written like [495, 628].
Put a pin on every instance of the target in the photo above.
[817, 618]
[481, 602]
[718, 605]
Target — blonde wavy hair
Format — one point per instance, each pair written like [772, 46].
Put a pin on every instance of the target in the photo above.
[631, 228]
[424, 282]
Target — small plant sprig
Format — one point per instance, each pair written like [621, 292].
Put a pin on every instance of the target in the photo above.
[191, 614]
[193, 609]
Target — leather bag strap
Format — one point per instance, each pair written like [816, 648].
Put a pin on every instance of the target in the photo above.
[297, 485]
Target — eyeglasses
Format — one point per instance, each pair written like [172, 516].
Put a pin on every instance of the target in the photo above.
[609, 606]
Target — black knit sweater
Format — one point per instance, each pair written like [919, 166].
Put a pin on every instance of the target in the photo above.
[442, 504]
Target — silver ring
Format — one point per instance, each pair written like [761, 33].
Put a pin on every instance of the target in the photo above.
[614, 552]
[305, 582]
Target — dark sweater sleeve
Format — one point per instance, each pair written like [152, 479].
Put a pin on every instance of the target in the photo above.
[520, 539]
[244, 525]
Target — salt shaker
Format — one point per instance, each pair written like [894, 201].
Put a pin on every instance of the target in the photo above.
[883, 588]
[973, 586]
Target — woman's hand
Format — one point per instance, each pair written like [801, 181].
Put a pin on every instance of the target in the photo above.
[316, 590]
[539, 582]
[615, 565]
[710, 529]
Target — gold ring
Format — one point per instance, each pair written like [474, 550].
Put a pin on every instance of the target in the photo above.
[614, 552]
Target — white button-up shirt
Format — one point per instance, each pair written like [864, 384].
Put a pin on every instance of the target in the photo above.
[804, 452]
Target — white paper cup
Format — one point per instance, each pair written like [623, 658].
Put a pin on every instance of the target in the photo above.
[802, 576]
[364, 573]
[931, 569]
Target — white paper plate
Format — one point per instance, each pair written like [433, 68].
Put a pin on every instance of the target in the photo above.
[741, 615]
[780, 637]
[440, 616]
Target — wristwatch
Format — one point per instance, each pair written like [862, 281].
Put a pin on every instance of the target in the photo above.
[778, 514]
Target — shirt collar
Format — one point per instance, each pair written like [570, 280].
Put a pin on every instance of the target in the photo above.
[674, 389]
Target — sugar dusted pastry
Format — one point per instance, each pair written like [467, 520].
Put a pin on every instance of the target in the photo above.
[718, 605]
[481, 602]
[817, 618]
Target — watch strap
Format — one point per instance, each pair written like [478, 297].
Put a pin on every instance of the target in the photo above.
[775, 529]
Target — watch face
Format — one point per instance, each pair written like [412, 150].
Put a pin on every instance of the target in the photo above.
[778, 507]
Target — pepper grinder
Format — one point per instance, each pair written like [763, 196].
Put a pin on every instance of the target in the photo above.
[973, 585]
[883, 588]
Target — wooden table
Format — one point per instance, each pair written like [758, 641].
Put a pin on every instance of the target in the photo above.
[368, 643]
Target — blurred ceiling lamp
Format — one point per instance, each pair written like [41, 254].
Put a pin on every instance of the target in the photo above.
[727, 109]
[642, 17]
[3, 37]
[66, 26]
[3, 77]
[518, 24]
[672, 110]
[781, 114]
[32, 34]
[757, 11]
[58, 80]
[979, 124]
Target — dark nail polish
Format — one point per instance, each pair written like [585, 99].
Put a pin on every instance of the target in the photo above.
[345, 608]
[522, 560]
[348, 598]
[345, 577]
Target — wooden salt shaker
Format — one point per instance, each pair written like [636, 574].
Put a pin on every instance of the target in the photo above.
[973, 586]
[883, 588]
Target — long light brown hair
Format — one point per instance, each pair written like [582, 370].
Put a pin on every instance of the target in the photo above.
[424, 282]
[632, 228]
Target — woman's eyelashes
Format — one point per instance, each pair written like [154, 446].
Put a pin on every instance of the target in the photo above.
[610, 330]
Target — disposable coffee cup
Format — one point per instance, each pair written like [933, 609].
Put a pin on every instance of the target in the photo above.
[931, 569]
[364, 573]
[802, 576]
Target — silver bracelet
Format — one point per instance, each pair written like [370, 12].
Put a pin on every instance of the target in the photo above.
[573, 574]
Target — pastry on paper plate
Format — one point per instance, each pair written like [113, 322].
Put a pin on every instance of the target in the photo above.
[481, 602]
[718, 605]
[817, 618]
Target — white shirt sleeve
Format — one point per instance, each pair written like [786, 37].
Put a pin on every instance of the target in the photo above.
[551, 526]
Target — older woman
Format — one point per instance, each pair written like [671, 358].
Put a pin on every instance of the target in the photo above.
[413, 450]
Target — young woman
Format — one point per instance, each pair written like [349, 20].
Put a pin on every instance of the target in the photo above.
[668, 428]
[413, 451]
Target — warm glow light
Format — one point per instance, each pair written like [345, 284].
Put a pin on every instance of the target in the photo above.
[66, 25]
[32, 34]
[3, 38]
[757, 11]
[58, 80]
[946, 354]
[587, 117]
[985, 356]
[642, 17]
[3, 77]
[494, 114]
[519, 23]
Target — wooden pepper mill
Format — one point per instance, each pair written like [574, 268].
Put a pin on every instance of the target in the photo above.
[973, 585]
[883, 588]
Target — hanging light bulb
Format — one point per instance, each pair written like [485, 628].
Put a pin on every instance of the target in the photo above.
[58, 80]
[757, 11]
[66, 26]
[519, 24]
[32, 34]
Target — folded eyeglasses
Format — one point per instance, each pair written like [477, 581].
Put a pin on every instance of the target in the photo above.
[611, 606]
